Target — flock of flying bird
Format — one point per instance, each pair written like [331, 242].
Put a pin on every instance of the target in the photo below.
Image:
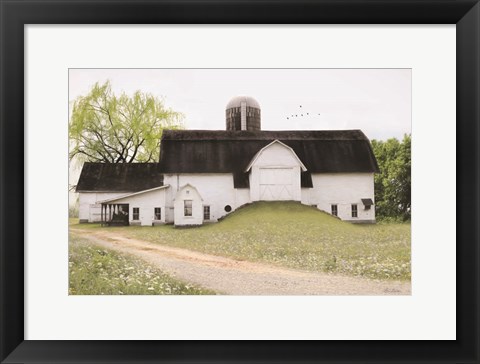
[300, 114]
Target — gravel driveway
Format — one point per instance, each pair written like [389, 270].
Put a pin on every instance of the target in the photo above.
[236, 277]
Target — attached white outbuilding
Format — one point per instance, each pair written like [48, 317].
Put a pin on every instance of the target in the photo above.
[188, 207]
[146, 208]
[138, 185]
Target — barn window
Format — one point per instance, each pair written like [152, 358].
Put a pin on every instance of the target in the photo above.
[187, 208]
[136, 213]
[228, 208]
[158, 213]
[206, 212]
[335, 210]
[354, 210]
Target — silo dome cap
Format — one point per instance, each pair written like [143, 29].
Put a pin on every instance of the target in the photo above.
[237, 100]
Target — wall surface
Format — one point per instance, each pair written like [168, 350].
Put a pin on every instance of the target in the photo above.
[342, 189]
[89, 210]
[216, 190]
[146, 202]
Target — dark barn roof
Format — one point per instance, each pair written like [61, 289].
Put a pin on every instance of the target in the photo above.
[208, 151]
[119, 177]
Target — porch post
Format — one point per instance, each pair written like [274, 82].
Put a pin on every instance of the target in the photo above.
[101, 214]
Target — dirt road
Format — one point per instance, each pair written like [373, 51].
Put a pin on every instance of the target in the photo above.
[235, 277]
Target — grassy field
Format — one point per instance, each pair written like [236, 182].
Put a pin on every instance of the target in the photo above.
[97, 271]
[293, 235]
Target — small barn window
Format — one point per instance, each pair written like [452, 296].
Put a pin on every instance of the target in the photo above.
[354, 210]
[187, 208]
[335, 210]
[228, 208]
[158, 213]
[206, 212]
[136, 213]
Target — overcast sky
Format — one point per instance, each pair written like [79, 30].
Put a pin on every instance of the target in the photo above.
[377, 101]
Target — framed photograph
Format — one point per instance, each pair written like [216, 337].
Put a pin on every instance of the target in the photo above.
[239, 182]
[271, 198]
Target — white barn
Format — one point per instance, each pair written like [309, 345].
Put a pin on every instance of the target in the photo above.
[203, 175]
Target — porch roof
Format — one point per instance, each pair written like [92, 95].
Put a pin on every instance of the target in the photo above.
[133, 194]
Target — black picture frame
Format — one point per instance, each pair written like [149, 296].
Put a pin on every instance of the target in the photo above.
[16, 14]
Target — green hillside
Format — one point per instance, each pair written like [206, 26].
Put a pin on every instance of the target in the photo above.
[298, 236]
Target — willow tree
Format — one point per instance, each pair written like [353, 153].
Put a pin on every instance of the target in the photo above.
[119, 129]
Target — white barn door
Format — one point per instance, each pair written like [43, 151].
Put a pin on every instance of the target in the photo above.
[276, 184]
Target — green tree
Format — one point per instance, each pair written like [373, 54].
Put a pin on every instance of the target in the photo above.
[119, 129]
[393, 183]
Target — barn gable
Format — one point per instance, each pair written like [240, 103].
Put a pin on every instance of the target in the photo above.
[274, 151]
[187, 192]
